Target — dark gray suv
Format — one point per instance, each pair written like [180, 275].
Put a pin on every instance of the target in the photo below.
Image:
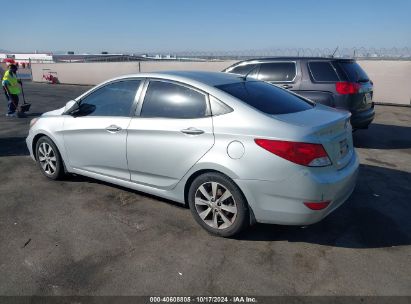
[335, 82]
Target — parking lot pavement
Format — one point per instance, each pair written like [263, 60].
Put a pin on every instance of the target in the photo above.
[84, 237]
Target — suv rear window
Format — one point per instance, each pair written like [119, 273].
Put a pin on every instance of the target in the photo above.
[354, 72]
[323, 71]
[266, 97]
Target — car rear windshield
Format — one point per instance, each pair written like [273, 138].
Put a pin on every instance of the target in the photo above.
[354, 71]
[266, 97]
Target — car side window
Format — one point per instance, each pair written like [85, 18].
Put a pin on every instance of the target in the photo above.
[114, 99]
[171, 100]
[277, 71]
[245, 69]
[218, 107]
[323, 71]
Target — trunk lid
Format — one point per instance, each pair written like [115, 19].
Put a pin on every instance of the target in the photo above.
[328, 126]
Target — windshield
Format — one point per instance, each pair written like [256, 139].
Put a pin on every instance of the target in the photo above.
[266, 97]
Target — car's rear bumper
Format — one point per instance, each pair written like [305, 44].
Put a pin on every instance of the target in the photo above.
[283, 202]
[361, 120]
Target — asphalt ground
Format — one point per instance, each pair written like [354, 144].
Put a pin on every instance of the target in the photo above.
[84, 237]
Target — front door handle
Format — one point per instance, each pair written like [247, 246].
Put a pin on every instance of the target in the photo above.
[113, 129]
[192, 131]
[287, 86]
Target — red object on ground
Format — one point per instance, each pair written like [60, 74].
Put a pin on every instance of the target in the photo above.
[50, 78]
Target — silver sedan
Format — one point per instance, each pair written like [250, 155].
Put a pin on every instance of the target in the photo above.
[236, 150]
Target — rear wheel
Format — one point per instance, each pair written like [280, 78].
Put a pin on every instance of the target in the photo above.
[218, 205]
[49, 159]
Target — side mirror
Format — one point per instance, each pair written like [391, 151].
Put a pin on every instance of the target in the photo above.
[71, 107]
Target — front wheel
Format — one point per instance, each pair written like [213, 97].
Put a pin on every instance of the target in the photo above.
[49, 159]
[218, 205]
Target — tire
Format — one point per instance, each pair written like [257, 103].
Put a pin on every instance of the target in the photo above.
[48, 158]
[226, 217]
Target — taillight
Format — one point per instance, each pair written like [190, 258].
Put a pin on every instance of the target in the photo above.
[317, 205]
[306, 154]
[345, 88]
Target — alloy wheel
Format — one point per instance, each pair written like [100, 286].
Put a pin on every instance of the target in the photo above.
[47, 158]
[215, 205]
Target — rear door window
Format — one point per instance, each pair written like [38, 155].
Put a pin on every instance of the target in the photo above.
[277, 71]
[266, 97]
[323, 71]
[354, 71]
[171, 100]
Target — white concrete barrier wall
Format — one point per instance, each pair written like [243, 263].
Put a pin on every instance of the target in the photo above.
[91, 73]
[211, 66]
[392, 79]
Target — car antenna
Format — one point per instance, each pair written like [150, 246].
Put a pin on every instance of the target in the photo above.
[248, 73]
[335, 51]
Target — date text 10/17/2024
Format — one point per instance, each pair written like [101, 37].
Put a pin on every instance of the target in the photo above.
[240, 299]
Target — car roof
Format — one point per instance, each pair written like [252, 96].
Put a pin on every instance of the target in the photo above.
[207, 78]
[295, 59]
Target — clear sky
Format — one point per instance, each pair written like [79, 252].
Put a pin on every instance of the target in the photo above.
[204, 25]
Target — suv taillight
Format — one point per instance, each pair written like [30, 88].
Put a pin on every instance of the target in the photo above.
[345, 88]
[306, 154]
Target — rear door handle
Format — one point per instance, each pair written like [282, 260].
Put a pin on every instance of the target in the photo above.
[192, 131]
[113, 129]
[287, 86]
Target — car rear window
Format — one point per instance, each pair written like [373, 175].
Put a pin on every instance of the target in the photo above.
[323, 71]
[266, 97]
[354, 71]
